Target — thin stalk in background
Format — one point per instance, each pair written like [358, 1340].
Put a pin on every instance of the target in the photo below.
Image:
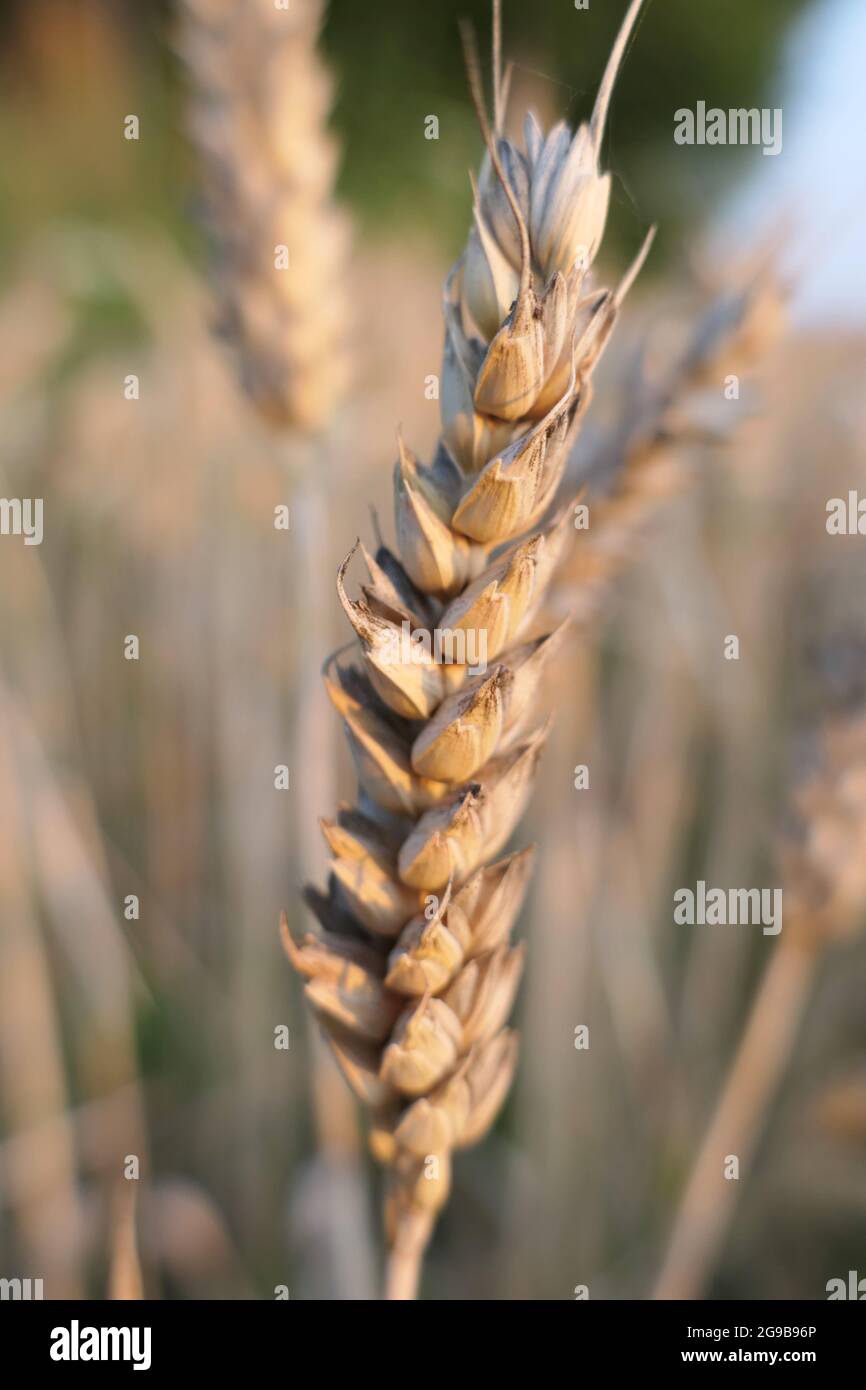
[824, 878]
[260, 104]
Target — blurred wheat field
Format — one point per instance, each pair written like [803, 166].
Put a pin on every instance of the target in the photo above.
[154, 1036]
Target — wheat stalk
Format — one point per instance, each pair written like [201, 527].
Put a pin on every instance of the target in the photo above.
[412, 974]
[824, 878]
[260, 104]
[125, 1279]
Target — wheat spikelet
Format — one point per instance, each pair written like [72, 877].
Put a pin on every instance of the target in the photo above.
[259, 112]
[823, 869]
[412, 973]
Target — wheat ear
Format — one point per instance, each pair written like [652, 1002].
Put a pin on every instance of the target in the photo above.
[412, 973]
[824, 878]
[260, 104]
[643, 457]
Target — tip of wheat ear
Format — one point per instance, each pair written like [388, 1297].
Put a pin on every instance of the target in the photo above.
[412, 974]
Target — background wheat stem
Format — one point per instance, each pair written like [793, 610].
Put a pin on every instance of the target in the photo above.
[709, 1199]
[824, 875]
[125, 1280]
[344, 1238]
[260, 105]
[31, 1053]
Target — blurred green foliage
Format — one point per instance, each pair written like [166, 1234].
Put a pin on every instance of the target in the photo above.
[71, 71]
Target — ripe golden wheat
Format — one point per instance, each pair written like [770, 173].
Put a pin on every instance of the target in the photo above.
[412, 974]
[259, 111]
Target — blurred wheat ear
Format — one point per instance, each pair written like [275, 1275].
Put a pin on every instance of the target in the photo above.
[412, 974]
[823, 872]
[641, 461]
[260, 104]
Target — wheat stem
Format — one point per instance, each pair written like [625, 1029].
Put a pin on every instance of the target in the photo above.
[403, 1272]
[823, 869]
[710, 1198]
[341, 1233]
[260, 105]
